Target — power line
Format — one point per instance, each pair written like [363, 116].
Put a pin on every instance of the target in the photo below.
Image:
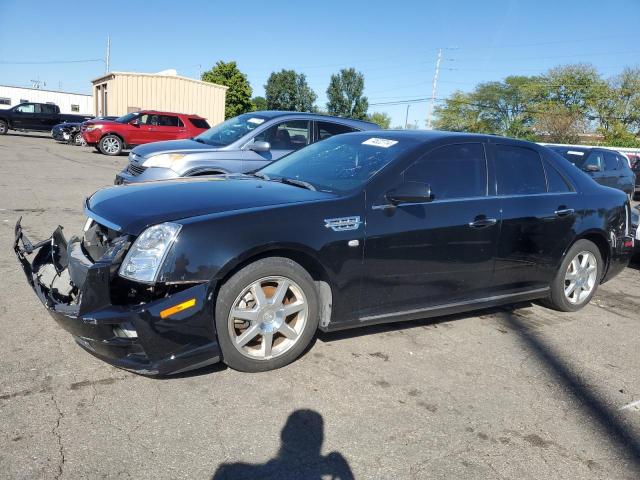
[49, 62]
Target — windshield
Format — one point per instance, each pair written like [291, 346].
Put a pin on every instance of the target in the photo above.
[338, 164]
[233, 129]
[127, 118]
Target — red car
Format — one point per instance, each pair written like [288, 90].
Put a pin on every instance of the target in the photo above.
[146, 126]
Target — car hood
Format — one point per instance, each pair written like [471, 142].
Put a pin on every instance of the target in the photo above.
[132, 208]
[172, 146]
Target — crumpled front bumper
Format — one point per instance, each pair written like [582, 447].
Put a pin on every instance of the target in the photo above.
[77, 294]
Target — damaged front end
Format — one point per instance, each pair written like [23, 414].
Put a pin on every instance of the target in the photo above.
[119, 321]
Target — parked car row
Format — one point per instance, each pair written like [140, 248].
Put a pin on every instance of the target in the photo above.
[355, 229]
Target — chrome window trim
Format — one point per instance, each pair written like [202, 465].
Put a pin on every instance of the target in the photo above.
[466, 199]
[455, 304]
[101, 220]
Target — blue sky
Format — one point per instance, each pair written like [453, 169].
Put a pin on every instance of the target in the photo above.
[393, 43]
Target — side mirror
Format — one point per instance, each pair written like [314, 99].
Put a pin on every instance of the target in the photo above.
[135, 122]
[410, 192]
[592, 168]
[260, 146]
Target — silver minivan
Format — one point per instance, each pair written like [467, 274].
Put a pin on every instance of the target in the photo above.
[241, 144]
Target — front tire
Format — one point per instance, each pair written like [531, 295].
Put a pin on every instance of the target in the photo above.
[110, 145]
[78, 141]
[3, 127]
[577, 278]
[266, 315]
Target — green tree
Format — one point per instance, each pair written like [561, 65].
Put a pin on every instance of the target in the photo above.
[380, 118]
[460, 113]
[618, 108]
[238, 98]
[259, 103]
[288, 90]
[345, 94]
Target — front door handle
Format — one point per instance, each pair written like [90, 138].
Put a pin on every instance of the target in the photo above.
[563, 212]
[483, 222]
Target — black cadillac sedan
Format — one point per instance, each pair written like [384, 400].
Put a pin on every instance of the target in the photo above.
[359, 229]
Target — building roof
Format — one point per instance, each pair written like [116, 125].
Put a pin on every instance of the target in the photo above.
[157, 75]
[46, 90]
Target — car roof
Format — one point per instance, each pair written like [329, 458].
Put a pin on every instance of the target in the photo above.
[159, 112]
[432, 135]
[270, 114]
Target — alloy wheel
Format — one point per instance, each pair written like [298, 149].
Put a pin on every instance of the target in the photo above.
[268, 317]
[110, 145]
[581, 277]
[3, 128]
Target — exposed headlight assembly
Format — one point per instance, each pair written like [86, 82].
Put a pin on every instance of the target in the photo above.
[145, 257]
[164, 160]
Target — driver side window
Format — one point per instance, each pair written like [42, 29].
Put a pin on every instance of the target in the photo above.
[291, 135]
[26, 108]
[452, 171]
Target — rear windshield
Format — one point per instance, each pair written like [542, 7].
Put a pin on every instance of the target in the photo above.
[199, 123]
[574, 155]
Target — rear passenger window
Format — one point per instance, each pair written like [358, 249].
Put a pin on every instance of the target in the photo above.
[327, 129]
[610, 161]
[555, 181]
[199, 123]
[168, 121]
[519, 171]
[452, 171]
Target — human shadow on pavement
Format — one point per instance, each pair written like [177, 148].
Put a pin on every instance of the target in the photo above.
[299, 456]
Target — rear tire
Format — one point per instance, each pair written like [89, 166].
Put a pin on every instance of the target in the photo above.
[3, 127]
[577, 279]
[110, 145]
[260, 329]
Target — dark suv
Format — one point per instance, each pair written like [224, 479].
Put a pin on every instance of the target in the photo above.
[607, 167]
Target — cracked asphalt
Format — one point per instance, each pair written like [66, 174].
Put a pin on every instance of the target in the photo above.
[510, 393]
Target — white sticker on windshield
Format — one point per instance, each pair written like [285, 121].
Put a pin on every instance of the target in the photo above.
[380, 142]
[257, 121]
[573, 152]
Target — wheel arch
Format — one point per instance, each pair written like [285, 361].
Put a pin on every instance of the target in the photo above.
[299, 254]
[115, 134]
[599, 238]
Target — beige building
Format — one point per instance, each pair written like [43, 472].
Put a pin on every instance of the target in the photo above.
[118, 93]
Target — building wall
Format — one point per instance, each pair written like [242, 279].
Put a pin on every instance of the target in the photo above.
[64, 100]
[127, 92]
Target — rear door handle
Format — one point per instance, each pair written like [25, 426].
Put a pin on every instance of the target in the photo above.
[563, 212]
[483, 222]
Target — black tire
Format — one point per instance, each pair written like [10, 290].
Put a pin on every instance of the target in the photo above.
[3, 127]
[229, 293]
[111, 145]
[557, 298]
[78, 141]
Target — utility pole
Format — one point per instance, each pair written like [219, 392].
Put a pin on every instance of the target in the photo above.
[406, 117]
[107, 61]
[433, 92]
